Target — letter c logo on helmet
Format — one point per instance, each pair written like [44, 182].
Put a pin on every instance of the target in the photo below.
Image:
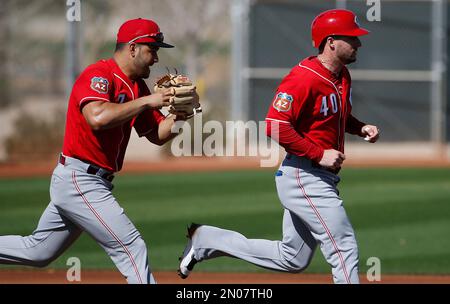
[338, 22]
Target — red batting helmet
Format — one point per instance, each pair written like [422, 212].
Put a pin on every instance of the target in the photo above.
[335, 22]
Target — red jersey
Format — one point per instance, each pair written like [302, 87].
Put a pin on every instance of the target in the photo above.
[313, 109]
[104, 81]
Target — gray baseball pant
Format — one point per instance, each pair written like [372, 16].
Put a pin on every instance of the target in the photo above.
[313, 214]
[80, 202]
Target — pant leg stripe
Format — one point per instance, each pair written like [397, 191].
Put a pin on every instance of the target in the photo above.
[324, 225]
[107, 227]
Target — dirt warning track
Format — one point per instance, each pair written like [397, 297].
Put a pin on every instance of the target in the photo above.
[114, 277]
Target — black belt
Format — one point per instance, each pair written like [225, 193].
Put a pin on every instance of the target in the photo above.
[91, 170]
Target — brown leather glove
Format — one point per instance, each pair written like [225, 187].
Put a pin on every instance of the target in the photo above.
[184, 101]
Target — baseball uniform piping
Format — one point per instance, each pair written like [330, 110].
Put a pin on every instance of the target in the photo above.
[145, 133]
[118, 148]
[121, 128]
[340, 101]
[93, 98]
[324, 226]
[278, 120]
[132, 93]
[106, 226]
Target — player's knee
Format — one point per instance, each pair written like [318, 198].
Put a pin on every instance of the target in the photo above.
[295, 268]
[351, 246]
[139, 246]
[41, 263]
[353, 252]
[42, 259]
[298, 264]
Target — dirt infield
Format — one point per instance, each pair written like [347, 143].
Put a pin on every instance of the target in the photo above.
[199, 164]
[114, 277]
[185, 164]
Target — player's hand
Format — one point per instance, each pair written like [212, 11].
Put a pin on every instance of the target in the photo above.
[159, 99]
[332, 159]
[371, 133]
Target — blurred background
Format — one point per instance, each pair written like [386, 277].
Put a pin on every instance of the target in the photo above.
[237, 52]
[39, 68]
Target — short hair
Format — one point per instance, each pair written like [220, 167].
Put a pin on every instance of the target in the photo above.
[322, 45]
[324, 41]
[120, 46]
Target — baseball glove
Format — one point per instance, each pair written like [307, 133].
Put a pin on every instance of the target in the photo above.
[184, 101]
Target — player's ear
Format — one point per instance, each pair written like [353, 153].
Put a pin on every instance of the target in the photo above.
[331, 42]
[132, 48]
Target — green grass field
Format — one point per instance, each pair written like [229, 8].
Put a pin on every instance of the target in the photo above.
[401, 216]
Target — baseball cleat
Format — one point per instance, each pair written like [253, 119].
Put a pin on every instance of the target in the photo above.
[187, 260]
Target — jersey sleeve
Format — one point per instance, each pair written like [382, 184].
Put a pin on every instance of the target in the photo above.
[283, 114]
[93, 84]
[147, 121]
[292, 142]
[288, 100]
[354, 126]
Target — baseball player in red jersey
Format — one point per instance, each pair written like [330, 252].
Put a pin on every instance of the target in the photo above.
[309, 115]
[108, 99]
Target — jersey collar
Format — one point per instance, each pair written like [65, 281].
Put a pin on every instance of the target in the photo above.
[116, 69]
[314, 63]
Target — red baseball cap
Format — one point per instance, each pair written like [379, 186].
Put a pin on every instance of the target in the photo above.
[141, 31]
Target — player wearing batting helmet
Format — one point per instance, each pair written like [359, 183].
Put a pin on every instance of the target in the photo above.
[308, 116]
